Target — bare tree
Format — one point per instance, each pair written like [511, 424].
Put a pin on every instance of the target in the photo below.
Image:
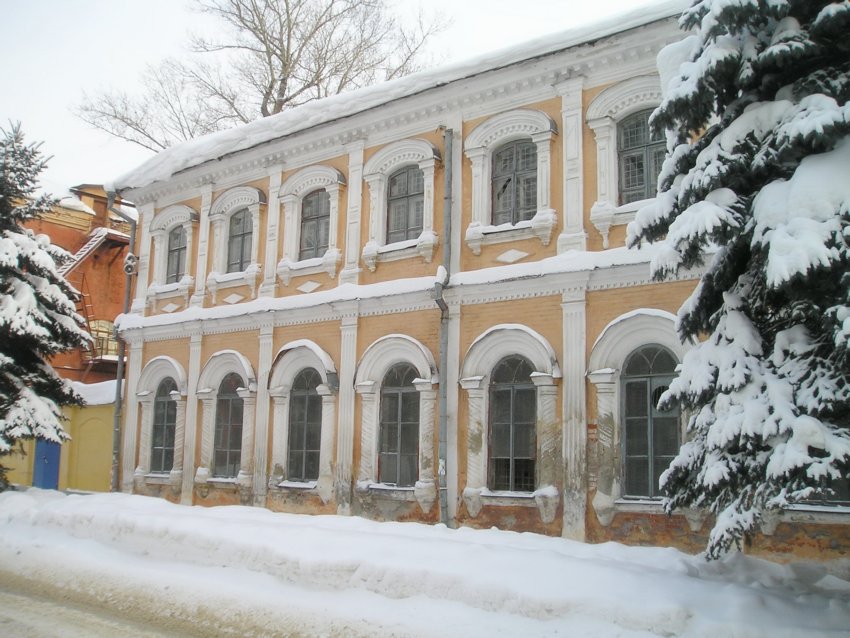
[271, 55]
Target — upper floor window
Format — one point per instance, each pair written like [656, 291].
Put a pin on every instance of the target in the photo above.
[514, 182]
[401, 202]
[511, 157]
[164, 424]
[239, 239]
[398, 461]
[405, 201]
[176, 260]
[315, 224]
[640, 155]
[651, 437]
[305, 427]
[227, 446]
[513, 426]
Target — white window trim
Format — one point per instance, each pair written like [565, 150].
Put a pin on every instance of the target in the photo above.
[479, 147]
[377, 172]
[604, 113]
[224, 207]
[154, 372]
[483, 355]
[290, 360]
[161, 226]
[217, 367]
[377, 360]
[292, 194]
[622, 336]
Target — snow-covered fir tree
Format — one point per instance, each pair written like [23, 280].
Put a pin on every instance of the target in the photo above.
[37, 313]
[756, 186]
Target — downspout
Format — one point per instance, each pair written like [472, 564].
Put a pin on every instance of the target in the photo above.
[129, 270]
[439, 286]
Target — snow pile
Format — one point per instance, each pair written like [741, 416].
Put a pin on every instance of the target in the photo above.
[102, 393]
[217, 145]
[261, 573]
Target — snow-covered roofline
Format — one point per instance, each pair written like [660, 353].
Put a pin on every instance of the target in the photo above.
[217, 145]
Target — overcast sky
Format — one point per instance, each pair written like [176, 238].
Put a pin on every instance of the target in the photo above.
[51, 51]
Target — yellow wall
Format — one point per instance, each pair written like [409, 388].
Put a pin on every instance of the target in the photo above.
[86, 460]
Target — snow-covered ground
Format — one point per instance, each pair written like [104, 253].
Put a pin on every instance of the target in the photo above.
[247, 571]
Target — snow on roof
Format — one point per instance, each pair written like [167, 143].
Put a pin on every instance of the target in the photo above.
[216, 145]
[66, 198]
[102, 393]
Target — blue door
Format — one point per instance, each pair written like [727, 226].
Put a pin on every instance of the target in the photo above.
[45, 470]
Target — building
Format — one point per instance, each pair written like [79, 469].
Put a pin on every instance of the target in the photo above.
[343, 307]
[98, 240]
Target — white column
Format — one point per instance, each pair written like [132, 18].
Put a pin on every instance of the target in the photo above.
[608, 445]
[145, 401]
[368, 432]
[203, 248]
[247, 462]
[345, 432]
[574, 412]
[476, 443]
[190, 433]
[573, 236]
[267, 288]
[351, 268]
[280, 434]
[131, 424]
[425, 489]
[325, 482]
[175, 477]
[450, 377]
[261, 438]
[146, 213]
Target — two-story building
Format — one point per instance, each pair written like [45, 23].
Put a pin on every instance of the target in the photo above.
[413, 302]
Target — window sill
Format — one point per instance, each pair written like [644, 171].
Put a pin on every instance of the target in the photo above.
[539, 226]
[287, 269]
[387, 492]
[302, 486]
[218, 281]
[545, 499]
[603, 215]
[423, 246]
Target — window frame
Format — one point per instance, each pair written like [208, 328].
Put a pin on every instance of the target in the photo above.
[240, 238]
[307, 397]
[164, 395]
[645, 151]
[479, 148]
[161, 227]
[227, 427]
[292, 193]
[173, 276]
[515, 211]
[403, 394]
[604, 113]
[409, 199]
[226, 205]
[376, 172]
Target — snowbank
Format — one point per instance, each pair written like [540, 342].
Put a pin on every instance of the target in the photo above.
[262, 573]
[102, 393]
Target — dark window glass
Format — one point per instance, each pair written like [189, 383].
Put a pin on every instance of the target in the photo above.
[164, 424]
[514, 182]
[640, 157]
[305, 427]
[227, 447]
[239, 241]
[651, 437]
[398, 445]
[405, 204]
[513, 427]
[315, 224]
[176, 267]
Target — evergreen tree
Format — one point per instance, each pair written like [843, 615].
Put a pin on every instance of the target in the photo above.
[37, 313]
[757, 183]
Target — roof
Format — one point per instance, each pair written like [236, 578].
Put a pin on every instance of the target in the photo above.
[198, 151]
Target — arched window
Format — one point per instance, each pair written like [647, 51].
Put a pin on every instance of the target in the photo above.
[651, 437]
[405, 204]
[164, 424]
[514, 182]
[227, 447]
[315, 224]
[305, 427]
[239, 241]
[398, 460]
[513, 426]
[640, 155]
[176, 260]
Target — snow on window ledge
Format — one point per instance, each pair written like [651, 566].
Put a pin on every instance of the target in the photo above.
[540, 226]
[545, 499]
[603, 215]
[297, 485]
[286, 268]
[423, 246]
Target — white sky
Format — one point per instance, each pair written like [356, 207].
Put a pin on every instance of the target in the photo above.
[51, 51]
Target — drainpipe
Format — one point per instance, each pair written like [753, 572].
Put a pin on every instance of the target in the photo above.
[439, 287]
[129, 270]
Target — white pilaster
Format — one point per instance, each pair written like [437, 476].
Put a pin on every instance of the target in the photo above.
[345, 431]
[203, 247]
[351, 268]
[261, 439]
[267, 288]
[146, 213]
[131, 423]
[191, 429]
[573, 236]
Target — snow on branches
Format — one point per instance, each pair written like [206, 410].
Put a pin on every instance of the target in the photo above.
[37, 312]
[757, 176]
